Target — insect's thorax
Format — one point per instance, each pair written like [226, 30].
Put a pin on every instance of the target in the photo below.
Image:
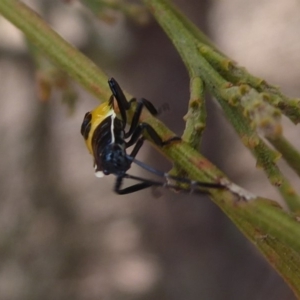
[108, 146]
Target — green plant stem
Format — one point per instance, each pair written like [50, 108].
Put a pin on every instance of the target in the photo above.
[266, 157]
[211, 58]
[87, 74]
[55, 48]
[284, 259]
[239, 75]
[101, 8]
[174, 25]
[257, 216]
[196, 64]
[288, 151]
[196, 115]
[195, 120]
[200, 169]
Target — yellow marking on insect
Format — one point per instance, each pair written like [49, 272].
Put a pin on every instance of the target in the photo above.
[98, 115]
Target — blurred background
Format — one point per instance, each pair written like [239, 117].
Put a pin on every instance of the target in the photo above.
[64, 234]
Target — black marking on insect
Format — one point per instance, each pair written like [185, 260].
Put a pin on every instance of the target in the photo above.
[107, 140]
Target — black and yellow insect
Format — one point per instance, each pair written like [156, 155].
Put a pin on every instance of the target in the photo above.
[107, 140]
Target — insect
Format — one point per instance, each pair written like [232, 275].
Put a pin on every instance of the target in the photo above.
[107, 140]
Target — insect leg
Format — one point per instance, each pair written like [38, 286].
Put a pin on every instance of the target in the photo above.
[125, 105]
[193, 183]
[145, 183]
[137, 114]
[137, 147]
[118, 94]
[131, 189]
[151, 108]
[152, 133]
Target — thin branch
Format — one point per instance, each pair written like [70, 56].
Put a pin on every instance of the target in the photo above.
[196, 116]
[65, 56]
[230, 71]
[290, 154]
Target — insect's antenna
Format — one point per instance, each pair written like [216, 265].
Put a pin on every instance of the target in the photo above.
[175, 178]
